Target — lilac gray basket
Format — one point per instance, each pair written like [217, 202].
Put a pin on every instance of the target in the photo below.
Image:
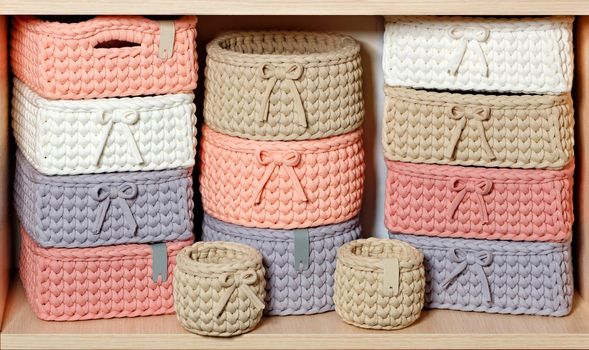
[304, 287]
[496, 276]
[94, 210]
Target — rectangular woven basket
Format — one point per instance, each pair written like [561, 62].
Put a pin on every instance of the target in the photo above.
[515, 131]
[483, 203]
[496, 276]
[94, 210]
[522, 55]
[299, 263]
[103, 282]
[104, 56]
[104, 135]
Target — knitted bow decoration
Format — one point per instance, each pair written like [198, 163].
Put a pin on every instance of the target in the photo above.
[287, 73]
[475, 35]
[479, 188]
[121, 194]
[475, 116]
[476, 260]
[242, 282]
[288, 160]
[123, 118]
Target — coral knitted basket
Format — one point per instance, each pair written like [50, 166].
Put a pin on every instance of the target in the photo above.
[379, 283]
[283, 85]
[104, 282]
[516, 131]
[482, 203]
[105, 56]
[496, 276]
[522, 55]
[299, 263]
[281, 185]
[219, 288]
[94, 210]
[104, 135]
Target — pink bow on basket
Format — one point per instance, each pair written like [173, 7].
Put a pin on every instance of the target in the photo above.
[274, 160]
[479, 188]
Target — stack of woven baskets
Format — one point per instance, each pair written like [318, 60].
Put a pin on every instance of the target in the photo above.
[481, 182]
[282, 163]
[103, 183]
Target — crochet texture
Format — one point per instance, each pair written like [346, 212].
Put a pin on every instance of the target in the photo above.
[106, 209]
[516, 131]
[91, 283]
[484, 203]
[496, 276]
[529, 55]
[104, 135]
[61, 60]
[281, 184]
[283, 85]
[219, 288]
[379, 283]
[291, 290]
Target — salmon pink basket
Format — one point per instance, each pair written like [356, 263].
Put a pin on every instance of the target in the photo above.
[483, 203]
[117, 281]
[105, 56]
[272, 184]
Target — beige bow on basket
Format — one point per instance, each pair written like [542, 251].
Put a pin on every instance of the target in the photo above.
[240, 282]
[287, 73]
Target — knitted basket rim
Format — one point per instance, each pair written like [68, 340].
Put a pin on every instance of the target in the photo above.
[494, 174]
[508, 24]
[411, 258]
[249, 259]
[328, 144]
[348, 49]
[435, 98]
[84, 29]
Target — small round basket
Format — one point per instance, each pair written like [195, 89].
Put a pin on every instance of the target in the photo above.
[379, 283]
[219, 288]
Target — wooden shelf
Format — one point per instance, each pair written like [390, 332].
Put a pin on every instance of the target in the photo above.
[298, 7]
[436, 329]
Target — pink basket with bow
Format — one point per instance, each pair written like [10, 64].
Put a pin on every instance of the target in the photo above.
[105, 56]
[273, 184]
[484, 203]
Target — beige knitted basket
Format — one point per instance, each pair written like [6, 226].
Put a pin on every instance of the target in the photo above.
[283, 85]
[219, 288]
[379, 283]
[515, 131]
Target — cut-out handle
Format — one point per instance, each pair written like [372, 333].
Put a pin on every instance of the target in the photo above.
[116, 44]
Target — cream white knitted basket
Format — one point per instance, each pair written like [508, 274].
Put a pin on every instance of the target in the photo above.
[528, 55]
[66, 137]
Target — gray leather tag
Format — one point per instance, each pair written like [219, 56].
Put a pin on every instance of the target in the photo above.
[301, 251]
[159, 262]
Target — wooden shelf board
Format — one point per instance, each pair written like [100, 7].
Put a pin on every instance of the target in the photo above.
[436, 329]
[298, 7]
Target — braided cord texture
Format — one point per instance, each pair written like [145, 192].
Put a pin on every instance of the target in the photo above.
[521, 55]
[360, 298]
[61, 60]
[95, 136]
[324, 69]
[522, 131]
[283, 185]
[60, 211]
[91, 283]
[288, 290]
[523, 277]
[198, 288]
[446, 201]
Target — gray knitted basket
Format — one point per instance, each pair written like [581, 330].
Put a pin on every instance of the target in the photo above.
[496, 276]
[292, 289]
[94, 210]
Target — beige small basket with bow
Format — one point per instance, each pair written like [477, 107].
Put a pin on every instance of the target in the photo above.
[379, 283]
[219, 288]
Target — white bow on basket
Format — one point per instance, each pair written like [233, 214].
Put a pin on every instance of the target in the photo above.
[475, 35]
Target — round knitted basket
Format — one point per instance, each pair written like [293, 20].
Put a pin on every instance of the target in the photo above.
[379, 283]
[219, 288]
[283, 85]
[299, 263]
[271, 184]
